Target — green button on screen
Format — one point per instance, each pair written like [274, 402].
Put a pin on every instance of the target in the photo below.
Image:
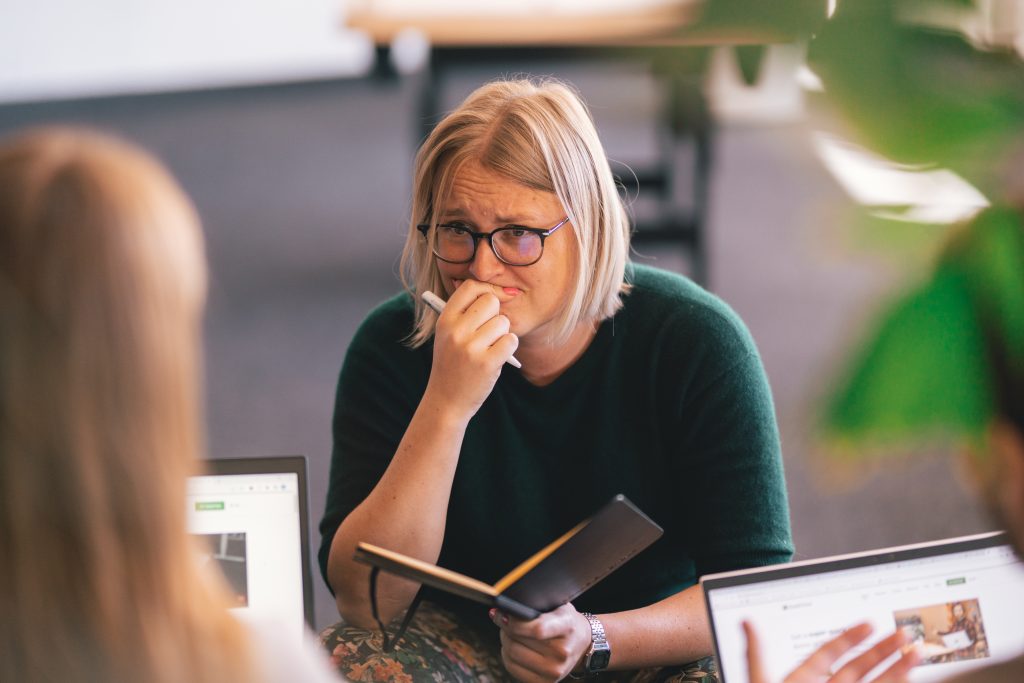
[211, 505]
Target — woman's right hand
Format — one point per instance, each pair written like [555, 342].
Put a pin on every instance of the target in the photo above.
[471, 343]
[818, 667]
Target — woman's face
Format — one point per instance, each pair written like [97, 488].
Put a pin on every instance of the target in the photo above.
[531, 296]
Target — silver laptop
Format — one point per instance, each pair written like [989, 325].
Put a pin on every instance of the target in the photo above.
[253, 517]
[959, 599]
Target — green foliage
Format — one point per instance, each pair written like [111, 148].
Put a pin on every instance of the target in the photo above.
[790, 19]
[924, 96]
[924, 374]
[919, 95]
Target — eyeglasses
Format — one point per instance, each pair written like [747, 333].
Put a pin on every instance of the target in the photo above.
[515, 245]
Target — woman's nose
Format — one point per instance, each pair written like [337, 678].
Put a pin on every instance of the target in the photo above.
[485, 264]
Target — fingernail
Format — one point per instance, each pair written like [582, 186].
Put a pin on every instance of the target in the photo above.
[504, 618]
[491, 612]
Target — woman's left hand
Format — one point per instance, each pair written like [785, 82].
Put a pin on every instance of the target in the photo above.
[546, 648]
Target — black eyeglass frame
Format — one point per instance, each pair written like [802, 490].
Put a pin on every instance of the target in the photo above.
[489, 236]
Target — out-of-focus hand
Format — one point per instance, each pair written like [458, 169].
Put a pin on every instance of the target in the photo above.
[543, 649]
[471, 343]
[818, 667]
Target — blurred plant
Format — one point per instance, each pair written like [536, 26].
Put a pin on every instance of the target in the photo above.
[925, 374]
[922, 93]
[927, 85]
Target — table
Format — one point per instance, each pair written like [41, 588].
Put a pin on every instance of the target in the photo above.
[661, 34]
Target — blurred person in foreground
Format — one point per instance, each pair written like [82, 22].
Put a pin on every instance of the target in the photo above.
[102, 286]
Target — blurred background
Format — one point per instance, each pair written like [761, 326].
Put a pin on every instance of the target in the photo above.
[293, 127]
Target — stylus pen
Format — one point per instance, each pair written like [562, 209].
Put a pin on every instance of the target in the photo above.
[437, 303]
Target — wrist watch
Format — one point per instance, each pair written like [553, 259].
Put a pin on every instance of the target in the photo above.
[600, 653]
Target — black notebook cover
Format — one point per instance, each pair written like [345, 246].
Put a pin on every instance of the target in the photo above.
[555, 575]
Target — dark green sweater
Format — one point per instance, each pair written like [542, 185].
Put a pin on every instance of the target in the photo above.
[669, 405]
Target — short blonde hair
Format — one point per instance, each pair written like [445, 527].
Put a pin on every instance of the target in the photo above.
[539, 134]
[102, 283]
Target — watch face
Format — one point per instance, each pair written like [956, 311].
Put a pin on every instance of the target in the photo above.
[599, 660]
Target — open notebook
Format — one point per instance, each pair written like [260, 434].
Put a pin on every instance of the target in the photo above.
[252, 515]
[959, 599]
[553, 576]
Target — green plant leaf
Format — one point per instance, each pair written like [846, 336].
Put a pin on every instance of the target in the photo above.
[924, 373]
[918, 95]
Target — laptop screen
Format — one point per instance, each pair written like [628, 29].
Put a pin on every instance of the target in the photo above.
[958, 599]
[251, 515]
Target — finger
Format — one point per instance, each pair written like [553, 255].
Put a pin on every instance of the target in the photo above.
[898, 672]
[557, 623]
[863, 664]
[467, 294]
[491, 331]
[525, 628]
[505, 346]
[820, 662]
[522, 675]
[548, 636]
[527, 655]
[755, 662]
[512, 632]
[465, 326]
[465, 322]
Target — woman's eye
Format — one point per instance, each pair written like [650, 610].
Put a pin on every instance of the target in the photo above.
[518, 232]
[454, 228]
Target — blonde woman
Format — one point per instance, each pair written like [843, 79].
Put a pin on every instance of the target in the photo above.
[102, 283]
[633, 381]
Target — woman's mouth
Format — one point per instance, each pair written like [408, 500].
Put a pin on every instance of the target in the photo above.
[505, 294]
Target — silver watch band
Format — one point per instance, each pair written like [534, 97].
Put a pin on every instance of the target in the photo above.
[596, 629]
[599, 655]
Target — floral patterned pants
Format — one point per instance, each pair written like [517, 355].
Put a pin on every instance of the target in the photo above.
[436, 648]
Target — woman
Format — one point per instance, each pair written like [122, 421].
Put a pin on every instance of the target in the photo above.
[633, 381]
[102, 283]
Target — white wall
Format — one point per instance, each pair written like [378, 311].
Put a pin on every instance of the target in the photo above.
[53, 49]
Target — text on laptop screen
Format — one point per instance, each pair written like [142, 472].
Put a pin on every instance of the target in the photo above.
[251, 525]
[961, 609]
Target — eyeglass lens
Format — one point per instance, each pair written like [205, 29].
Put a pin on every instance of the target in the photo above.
[457, 244]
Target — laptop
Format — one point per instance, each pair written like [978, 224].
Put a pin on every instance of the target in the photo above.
[252, 515]
[958, 599]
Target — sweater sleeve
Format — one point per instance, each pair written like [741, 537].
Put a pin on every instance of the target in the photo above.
[731, 460]
[380, 385]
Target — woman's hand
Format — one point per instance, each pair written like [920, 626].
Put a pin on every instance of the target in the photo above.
[471, 343]
[546, 648]
[818, 667]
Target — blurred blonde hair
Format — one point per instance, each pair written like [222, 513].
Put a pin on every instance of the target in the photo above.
[539, 134]
[102, 284]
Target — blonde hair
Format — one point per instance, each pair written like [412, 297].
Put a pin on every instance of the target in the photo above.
[539, 134]
[102, 282]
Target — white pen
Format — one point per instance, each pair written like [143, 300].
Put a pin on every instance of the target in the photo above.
[437, 303]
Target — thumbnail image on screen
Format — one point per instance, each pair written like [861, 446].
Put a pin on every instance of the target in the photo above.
[229, 552]
[946, 632]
